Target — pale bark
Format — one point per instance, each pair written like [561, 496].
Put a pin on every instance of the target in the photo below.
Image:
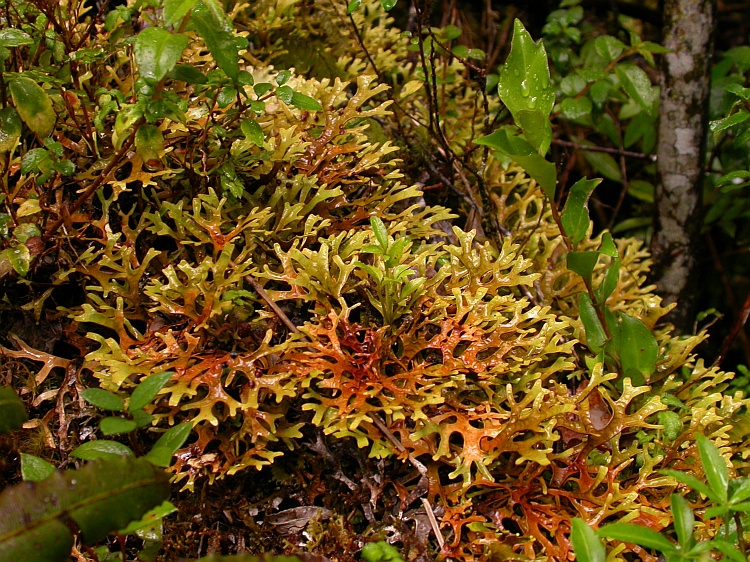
[688, 26]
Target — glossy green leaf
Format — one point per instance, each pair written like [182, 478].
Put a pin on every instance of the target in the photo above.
[608, 47]
[100, 449]
[536, 128]
[739, 489]
[637, 84]
[164, 449]
[33, 105]
[524, 83]
[212, 24]
[151, 516]
[596, 337]
[262, 88]
[252, 131]
[187, 73]
[575, 214]
[352, 6]
[587, 545]
[157, 52]
[103, 399]
[714, 466]
[603, 163]
[175, 10]
[693, 482]
[635, 346]
[725, 123]
[583, 263]
[305, 102]
[520, 151]
[636, 534]
[609, 283]
[576, 108]
[731, 551]
[147, 390]
[607, 247]
[115, 425]
[35, 469]
[12, 410]
[684, 520]
[11, 128]
[285, 93]
[388, 5]
[19, 257]
[381, 233]
[283, 77]
[26, 230]
[142, 418]
[101, 497]
[149, 143]
[14, 38]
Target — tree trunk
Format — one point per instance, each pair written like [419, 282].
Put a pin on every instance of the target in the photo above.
[688, 26]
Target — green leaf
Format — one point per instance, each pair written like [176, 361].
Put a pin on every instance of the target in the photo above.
[635, 345]
[608, 47]
[575, 108]
[636, 83]
[714, 466]
[252, 131]
[583, 263]
[11, 128]
[740, 489]
[520, 151]
[693, 482]
[34, 469]
[148, 389]
[381, 233]
[602, 163]
[103, 399]
[609, 283]
[720, 125]
[575, 214]
[33, 105]
[100, 449]
[212, 24]
[33, 160]
[26, 230]
[151, 516]
[187, 73]
[285, 93]
[164, 449]
[305, 102]
[587, 545]
[672, 424]
[142, 418]
[157, 52]
[149, 143]
[101, 497]
[643, 536]
[524, 78]
[114, 425]
[283, 77]
[19, 257]
[537, 129]
[352, 6]
[262, 88]
[684, 520]
[380, 551]
[14, 38]
[175, 10]
[12, 410]
[388, 5]
[596, 337]
[729, 550]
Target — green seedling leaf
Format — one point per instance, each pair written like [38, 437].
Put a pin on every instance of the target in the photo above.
[212, 24]
[101, 449]
[596, 337]
[672, 424]
[283, 77]
[153, 515]
[381, 233]
[587, 545]
[11, 128]
[12, 410]
[157, 52]
[609, 283]
[714, 466]
[34, 469]
[33, 105]
[684, 520]
[285, 93]
[583, 263]
[575, 108]
[305, 102]
[635, 346]
[101, 497]
[608, 47]
[575, 214]
[114, 425]
[520, 151]
[148, 389]
[524, 83]
[636, 83]
[175, 10]
[252, 131]
[103, 399]
[14, 38]
[643, 536]
[164, 449]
